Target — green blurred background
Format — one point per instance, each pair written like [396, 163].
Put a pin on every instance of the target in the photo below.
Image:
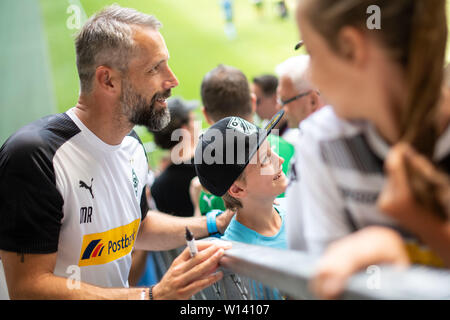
[37, 59]
[38, 56]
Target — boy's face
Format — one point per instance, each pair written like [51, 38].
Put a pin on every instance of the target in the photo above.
[263, 175]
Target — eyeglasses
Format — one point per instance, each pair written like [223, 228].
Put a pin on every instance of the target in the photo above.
[285, 102]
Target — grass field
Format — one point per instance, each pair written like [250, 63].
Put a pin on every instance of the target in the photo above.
[193, 30]
[194, 34]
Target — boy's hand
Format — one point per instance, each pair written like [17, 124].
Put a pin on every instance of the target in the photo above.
[187, 276]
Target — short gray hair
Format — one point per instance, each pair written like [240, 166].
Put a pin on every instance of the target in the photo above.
[107, 39]
[295, 68]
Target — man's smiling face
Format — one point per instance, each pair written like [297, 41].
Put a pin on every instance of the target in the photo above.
[148, 82]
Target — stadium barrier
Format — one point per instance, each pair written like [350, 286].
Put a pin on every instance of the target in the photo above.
[250, 272]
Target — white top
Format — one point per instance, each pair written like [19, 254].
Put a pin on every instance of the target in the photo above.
[291, 135]
[118, 175]
[337, 177]
[79, 197]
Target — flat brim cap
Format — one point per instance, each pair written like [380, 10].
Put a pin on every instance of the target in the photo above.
[225, 150]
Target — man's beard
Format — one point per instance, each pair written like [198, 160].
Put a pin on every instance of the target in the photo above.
[139, 111]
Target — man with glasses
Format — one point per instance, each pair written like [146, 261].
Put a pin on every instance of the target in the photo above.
[295, 93]
[299, 99]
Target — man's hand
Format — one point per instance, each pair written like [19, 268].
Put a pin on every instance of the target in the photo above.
[187, 276]
[224, 219]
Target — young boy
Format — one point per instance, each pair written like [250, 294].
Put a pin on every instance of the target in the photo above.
[234, 161]
[225, 92]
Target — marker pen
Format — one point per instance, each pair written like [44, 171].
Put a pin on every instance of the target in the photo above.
[191, 243]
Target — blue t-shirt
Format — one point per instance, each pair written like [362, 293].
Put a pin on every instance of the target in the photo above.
[238, 232]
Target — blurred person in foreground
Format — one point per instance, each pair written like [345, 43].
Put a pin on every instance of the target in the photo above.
[397, 201]
[371, 77]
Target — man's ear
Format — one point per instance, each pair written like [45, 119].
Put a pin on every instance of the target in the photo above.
[273, 98]
[353, 45]
[314, 101]
[253, 97]
[237, 191]
[207, 118]
[107, 79]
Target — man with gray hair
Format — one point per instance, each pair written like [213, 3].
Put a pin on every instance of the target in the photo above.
[295, 93]
[73, 184]
[299, 99]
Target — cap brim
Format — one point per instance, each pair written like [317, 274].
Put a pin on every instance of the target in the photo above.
[263, 133]
[299, 45]
[274, 121]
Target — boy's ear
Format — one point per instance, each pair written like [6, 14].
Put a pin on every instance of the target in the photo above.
[237, 191]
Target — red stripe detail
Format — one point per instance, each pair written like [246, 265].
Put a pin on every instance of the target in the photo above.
[101, 250]
[97, 249]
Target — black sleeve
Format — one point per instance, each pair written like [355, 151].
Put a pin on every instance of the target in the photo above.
[156, 196]
[144, 204]
[30, 205]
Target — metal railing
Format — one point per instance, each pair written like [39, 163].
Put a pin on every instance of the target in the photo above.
[250, 272]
